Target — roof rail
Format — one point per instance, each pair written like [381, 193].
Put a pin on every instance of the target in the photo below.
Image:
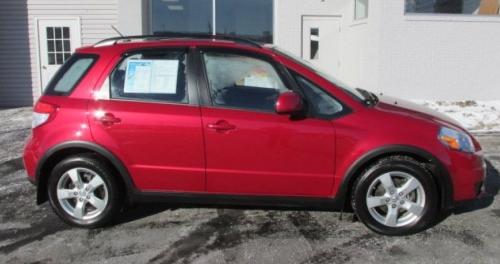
[166, 36]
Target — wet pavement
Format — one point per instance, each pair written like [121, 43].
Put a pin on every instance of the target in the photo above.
[162, 234]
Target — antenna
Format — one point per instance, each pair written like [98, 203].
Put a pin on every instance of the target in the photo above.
[117, 31]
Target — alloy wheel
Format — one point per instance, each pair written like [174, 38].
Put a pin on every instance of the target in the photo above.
[82, 193]
[396, 199]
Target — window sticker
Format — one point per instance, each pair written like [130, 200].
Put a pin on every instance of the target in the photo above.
[259, 81]
[259, 78]
[138, 76]
[151, 76]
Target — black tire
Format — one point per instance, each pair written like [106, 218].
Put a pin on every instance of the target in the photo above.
[91, 162]
[390, 164]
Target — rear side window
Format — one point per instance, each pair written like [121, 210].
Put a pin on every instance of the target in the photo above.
[158, 75]
[70, 74]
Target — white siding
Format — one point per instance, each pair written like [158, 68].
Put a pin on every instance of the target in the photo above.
[359, 40]
[134, 17]
[15, 71]
[288, 19]
[431, 57]
[96, 18]
[438, 57]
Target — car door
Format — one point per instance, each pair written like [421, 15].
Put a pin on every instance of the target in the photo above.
[150, 118]
[250, 149]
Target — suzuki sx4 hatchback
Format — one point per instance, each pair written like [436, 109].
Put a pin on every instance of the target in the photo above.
[222, 120]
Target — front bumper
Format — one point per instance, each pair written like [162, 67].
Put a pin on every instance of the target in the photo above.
[469, 177]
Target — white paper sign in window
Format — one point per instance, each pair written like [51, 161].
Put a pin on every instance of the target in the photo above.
[260, 81]
[151, 76]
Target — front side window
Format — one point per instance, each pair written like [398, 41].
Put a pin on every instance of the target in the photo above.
[360, 9]
[151, 76]
[322, 103]
[238, 81]
[70, 74]
[471, 7]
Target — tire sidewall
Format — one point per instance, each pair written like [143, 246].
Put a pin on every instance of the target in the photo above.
[428, 184]
[101, 170]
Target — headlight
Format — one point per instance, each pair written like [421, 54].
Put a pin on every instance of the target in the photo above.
[456, 140]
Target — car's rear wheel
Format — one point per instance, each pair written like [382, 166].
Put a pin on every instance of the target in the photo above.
[396, 196]
[83, 191]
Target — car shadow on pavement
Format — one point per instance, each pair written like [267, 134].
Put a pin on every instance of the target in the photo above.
[142, 210]
[138, 211]
[492, 186]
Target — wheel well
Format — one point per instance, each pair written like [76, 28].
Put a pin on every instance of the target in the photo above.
[431, 164]
[58, 156]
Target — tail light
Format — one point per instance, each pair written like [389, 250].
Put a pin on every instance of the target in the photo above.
[41, 113]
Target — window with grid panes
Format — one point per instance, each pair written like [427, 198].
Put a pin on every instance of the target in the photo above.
[58, 45]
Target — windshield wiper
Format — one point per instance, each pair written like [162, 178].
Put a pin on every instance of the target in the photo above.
[370, 98]
[374, 98]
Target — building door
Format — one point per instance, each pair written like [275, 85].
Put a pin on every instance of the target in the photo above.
[57, 40]
[320, 42]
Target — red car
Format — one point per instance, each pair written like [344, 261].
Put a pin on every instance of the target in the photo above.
[220, 120]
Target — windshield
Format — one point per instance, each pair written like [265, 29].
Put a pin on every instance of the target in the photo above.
[354, 92]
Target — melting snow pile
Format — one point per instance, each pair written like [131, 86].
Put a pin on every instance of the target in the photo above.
[476, 116]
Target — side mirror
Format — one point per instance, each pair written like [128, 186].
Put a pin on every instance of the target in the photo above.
[288, 103]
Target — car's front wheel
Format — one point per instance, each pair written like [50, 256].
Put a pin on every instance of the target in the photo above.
[83, 191]
[396, 196]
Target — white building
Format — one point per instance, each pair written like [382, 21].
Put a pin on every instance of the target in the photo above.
[415, 49]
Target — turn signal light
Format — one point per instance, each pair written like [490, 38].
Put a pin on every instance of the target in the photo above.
[451, 142]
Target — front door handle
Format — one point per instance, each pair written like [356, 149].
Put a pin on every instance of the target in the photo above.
[221, 126]
[108, 119]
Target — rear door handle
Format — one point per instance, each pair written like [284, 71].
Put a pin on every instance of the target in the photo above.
[221, 126]
[108, 119]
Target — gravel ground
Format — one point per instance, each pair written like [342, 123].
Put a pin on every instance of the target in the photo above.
[160, 234]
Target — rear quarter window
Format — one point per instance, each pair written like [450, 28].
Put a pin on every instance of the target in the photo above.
[151, 75]
[70, 74]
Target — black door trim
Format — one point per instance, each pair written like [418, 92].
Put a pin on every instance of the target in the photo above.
[258, 202]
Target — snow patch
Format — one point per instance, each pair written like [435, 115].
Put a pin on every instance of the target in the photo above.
[476, 116]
